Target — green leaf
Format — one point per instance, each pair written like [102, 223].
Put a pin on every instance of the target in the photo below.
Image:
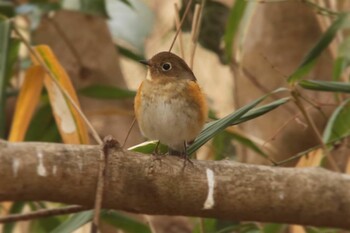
[256, 112]
[94, 7]
[129, 54]
[343, 59]
[310, 59]
[126, 2]
[7, 9]
[235, 17]
[16, 208]
[148, 147]
[74, 222]
[213, 128]
[208, 225]
[5, 33]
[44, 225]
[222, 146]
[242, 228]
[325, 86]
[321, 230]
[213, 27]
[249, 144]
[106, 92]
[11, 58]
[273, 228]
[339, 123]
[123, 222]
[43, 126]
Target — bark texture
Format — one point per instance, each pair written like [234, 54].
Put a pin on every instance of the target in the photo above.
[140, 184]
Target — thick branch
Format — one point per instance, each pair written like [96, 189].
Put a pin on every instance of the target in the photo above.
[137, 183]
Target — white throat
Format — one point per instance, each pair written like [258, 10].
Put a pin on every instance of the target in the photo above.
[149, 77]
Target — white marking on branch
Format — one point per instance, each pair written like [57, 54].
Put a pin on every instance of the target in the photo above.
[54, 170]
[41, 170]
[15, 166]
[281, 195]
[209, 202]
[80, 163]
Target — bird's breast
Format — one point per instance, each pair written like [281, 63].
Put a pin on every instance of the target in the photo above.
[168, 112]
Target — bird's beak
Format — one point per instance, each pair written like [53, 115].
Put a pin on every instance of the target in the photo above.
[145, 62]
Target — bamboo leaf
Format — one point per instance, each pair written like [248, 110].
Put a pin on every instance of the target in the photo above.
[343, 59]
[74, 222]
[5, 31]
[130, 54]
[95, 7]
[273, 228]
[256, 112]
[310, 59]
[43, 127]
[212, 128]
[339, 123]
[26, 103]
[234, 20]
[70, 124]
[148, 147]
[246, 141]
[7, 9]
[325, 86]
[124, 223]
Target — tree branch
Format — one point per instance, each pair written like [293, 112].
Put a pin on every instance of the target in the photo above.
[139, 184]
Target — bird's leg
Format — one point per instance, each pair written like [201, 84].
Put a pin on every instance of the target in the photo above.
[185, 156]
[156, 154]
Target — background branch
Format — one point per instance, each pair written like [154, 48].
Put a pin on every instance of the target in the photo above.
[137, 183]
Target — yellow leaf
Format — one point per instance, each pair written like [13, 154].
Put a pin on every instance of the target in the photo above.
[26, 103]
[347, 170]
[313, 159]
[296, 229]
[69, 122]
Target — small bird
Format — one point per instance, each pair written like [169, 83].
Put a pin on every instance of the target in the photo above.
[169, 105]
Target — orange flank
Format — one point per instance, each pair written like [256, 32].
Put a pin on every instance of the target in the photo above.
[195, 94]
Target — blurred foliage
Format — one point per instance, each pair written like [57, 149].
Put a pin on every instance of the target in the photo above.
[310, 59]
[5, 69]
[7, 9]
[213, 26]
[94, 7]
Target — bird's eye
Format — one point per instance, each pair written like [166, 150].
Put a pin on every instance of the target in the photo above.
[166, 66]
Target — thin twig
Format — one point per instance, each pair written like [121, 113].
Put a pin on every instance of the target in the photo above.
[129, 131]
[311, 123]
[178, 28]
[66, 41]
[65, 93]
[99, 192]
[321, 10]
[273, 67]
[43, 213]
[194, 35]
[182, 21]
[108, 143]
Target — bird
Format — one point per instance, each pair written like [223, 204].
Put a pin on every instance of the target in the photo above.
[169, 105]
